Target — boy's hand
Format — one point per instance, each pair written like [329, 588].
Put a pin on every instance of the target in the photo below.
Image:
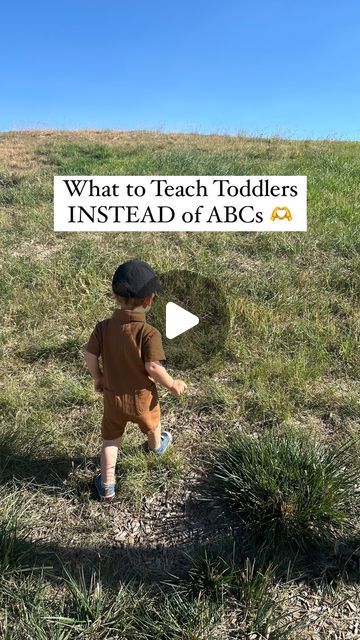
[98, 385]
[178, 387]
[159, 374]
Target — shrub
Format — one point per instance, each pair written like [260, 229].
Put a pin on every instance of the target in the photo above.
[285, 488]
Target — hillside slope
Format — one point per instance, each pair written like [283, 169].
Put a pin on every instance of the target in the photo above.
[291, 362]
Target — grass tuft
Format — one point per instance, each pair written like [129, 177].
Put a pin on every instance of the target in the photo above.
[15, 529]
[244, 586]
[287, 489]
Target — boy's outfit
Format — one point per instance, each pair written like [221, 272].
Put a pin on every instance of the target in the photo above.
[125, 342]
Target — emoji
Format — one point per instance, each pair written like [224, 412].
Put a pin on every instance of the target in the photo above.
[277, 213]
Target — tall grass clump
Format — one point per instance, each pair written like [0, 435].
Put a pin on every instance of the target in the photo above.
[287, 489]
[15, 529]
[92, 611]
[244, 586]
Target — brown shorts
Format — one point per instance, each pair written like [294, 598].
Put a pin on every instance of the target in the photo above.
[115, 418]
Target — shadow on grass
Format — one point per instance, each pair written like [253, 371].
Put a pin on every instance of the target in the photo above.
[217, 537]
[157, 564]
[73, 477]
[209, 531]
[68, 351]
[51, 473]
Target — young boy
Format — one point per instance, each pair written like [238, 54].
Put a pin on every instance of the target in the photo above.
[132, 356]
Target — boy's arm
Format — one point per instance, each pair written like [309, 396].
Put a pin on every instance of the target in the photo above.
[159, 374]
[92, 363]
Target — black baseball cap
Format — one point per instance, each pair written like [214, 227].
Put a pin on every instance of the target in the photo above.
[135, 279]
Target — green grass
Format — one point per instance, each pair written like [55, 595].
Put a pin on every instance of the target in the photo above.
[287, 489]
[15, 527]
[141, 475]
[290, 359]
[88, 610]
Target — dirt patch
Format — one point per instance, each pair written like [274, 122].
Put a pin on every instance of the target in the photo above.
[38, 251]
[323, 614]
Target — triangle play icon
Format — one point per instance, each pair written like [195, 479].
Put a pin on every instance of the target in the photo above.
[178, 320]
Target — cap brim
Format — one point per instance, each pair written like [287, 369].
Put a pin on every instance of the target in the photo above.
[159, 287]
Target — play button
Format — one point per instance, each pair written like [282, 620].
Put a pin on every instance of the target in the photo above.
[178, 320]
[193, 318]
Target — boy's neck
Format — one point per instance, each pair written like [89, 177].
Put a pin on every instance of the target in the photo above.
[140, 308]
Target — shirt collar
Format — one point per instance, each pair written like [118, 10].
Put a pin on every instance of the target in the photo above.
[128, 315]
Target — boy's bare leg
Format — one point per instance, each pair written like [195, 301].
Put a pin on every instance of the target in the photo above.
[154, 438]
[109, 451]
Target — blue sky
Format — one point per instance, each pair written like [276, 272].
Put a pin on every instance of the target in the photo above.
[260, 67]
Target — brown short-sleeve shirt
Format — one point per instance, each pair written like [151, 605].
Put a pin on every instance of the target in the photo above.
[125, 342]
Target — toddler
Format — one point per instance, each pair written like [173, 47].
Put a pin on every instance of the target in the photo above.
[132, 362]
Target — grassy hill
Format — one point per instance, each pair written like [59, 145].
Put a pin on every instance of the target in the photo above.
[176, 556]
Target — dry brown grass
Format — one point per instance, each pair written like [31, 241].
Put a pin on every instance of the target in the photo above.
[18, 148]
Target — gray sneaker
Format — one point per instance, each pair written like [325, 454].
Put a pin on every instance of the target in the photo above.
[106, 494]
[166, 439]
